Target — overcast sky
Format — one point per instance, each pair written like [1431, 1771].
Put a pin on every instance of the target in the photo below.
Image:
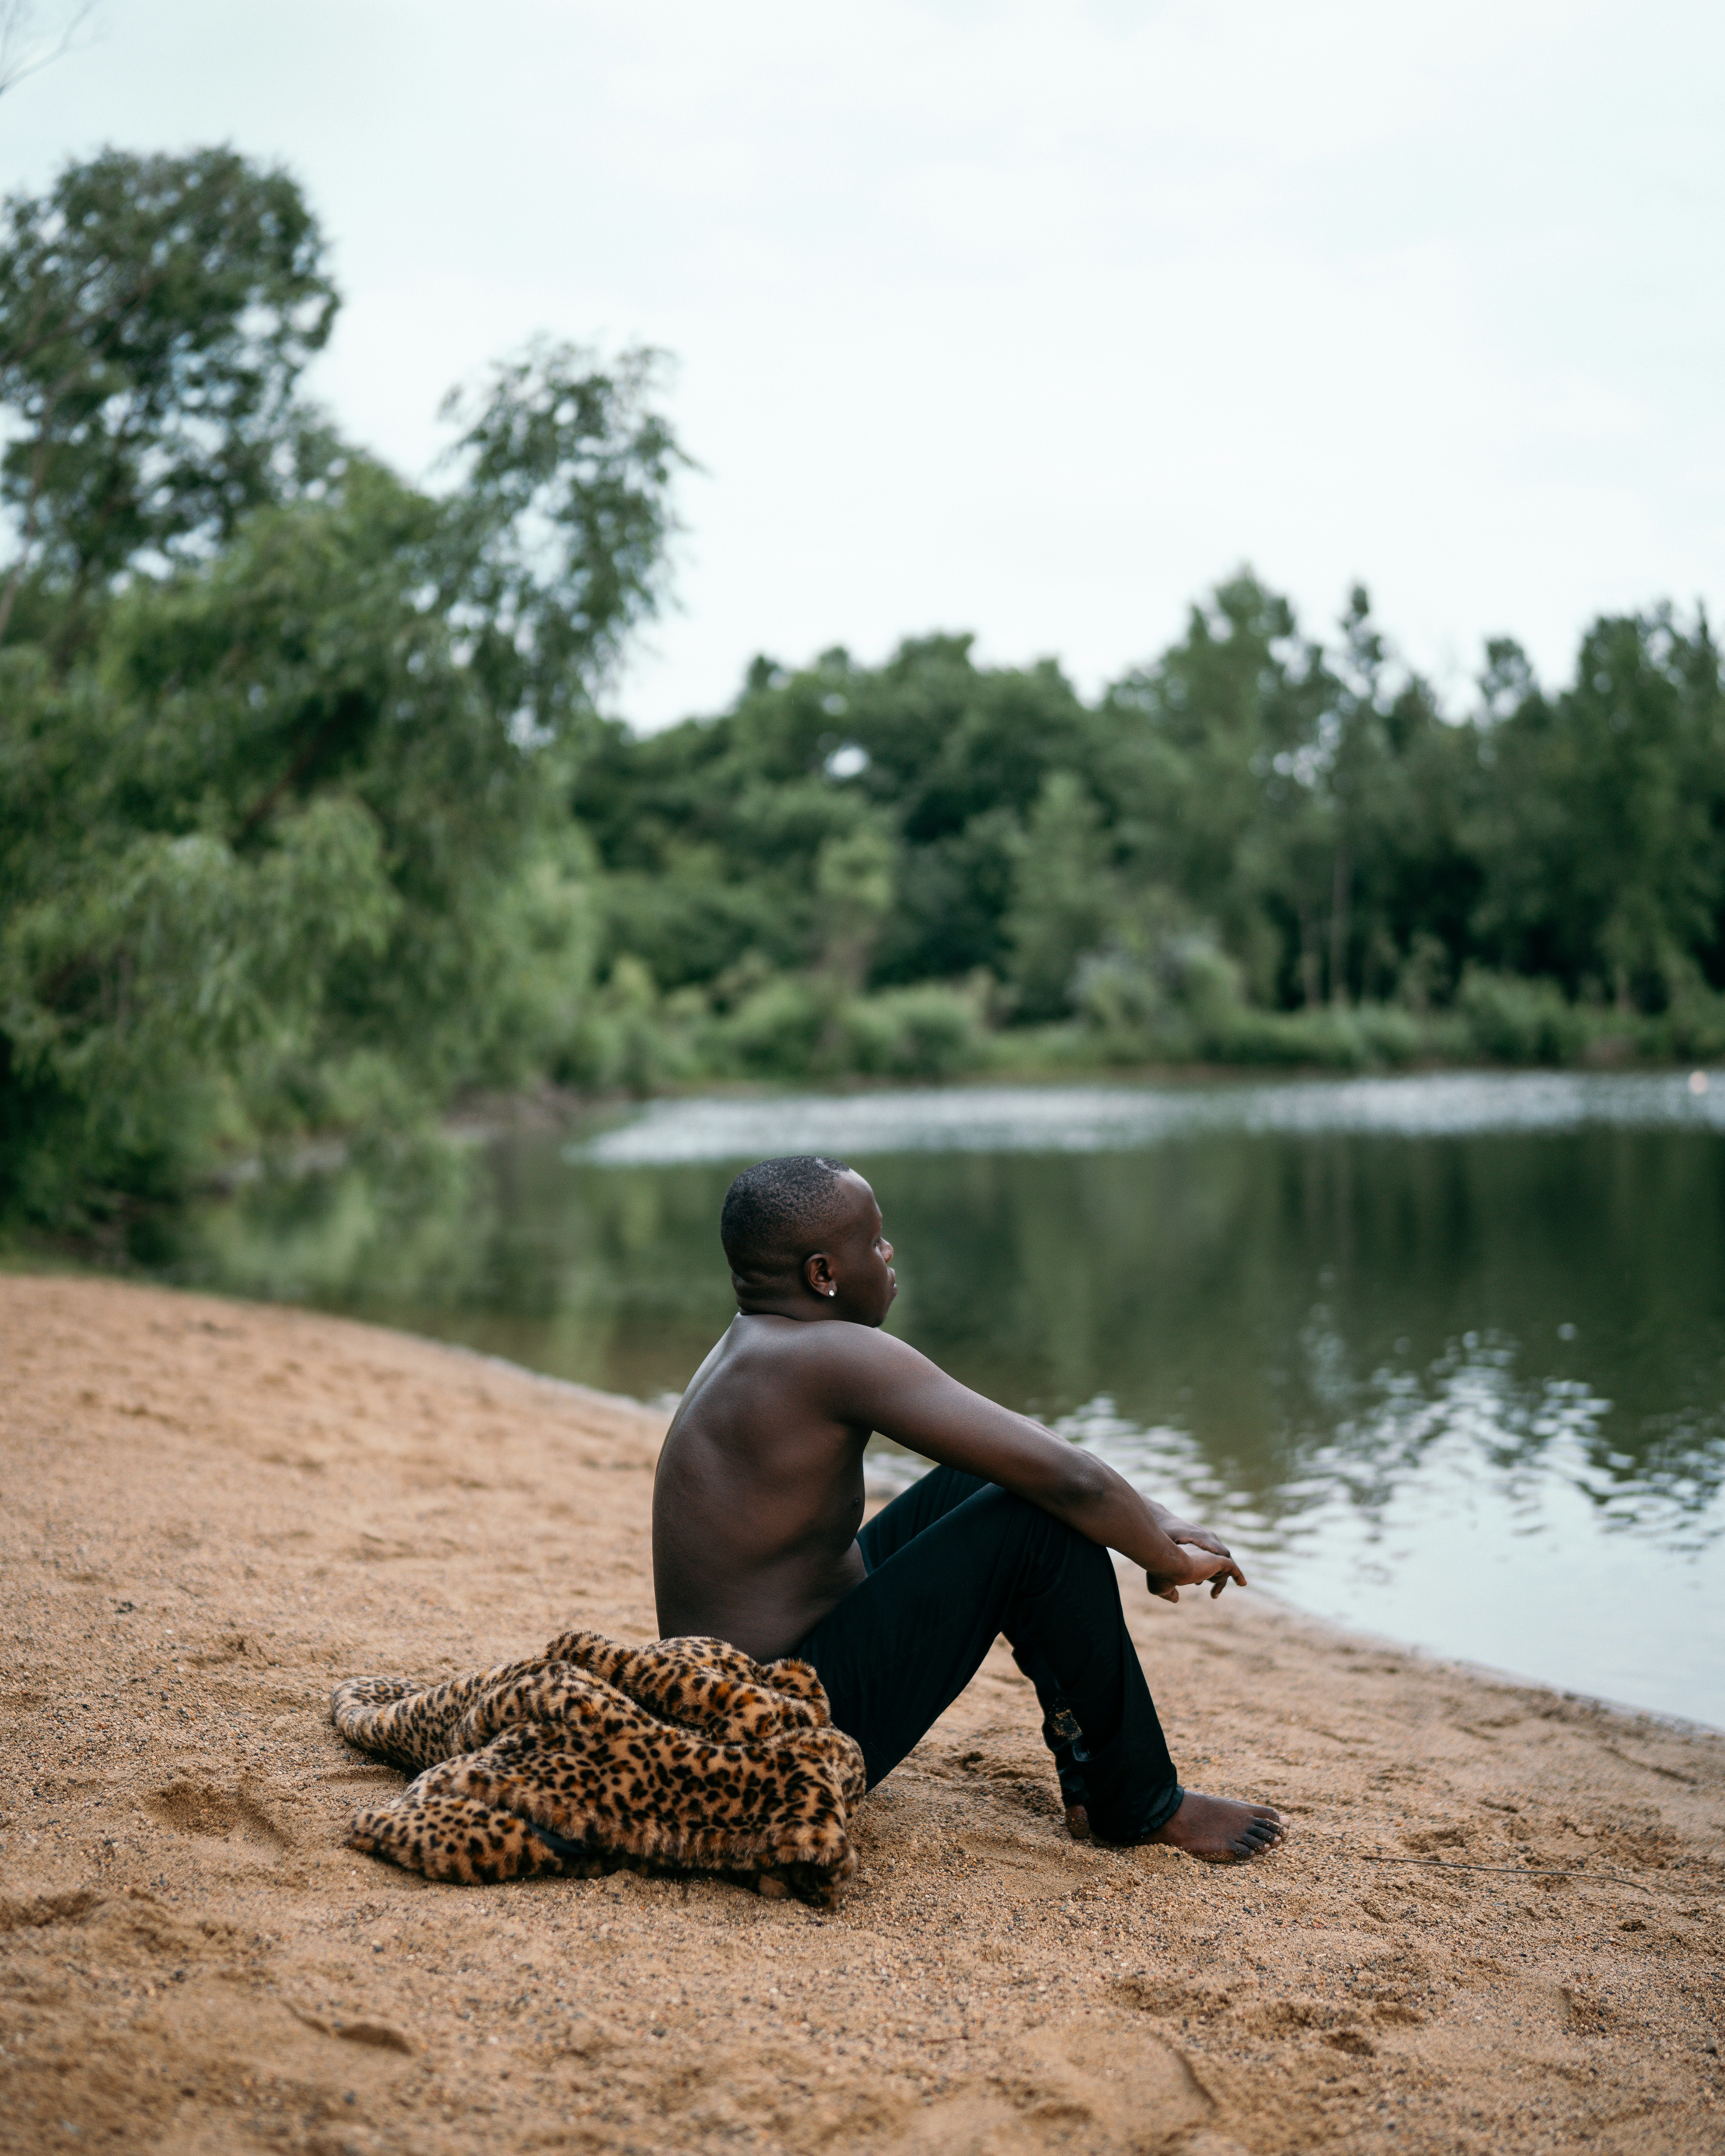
[1032, 320]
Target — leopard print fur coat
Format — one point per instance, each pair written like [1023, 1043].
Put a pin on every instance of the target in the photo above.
[682, 1756]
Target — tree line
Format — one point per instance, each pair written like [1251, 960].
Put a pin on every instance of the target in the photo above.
[311, 821]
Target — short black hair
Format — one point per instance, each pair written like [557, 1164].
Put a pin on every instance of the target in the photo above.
[777, 1212]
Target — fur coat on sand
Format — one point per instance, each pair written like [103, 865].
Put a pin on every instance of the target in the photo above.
[685, 1756]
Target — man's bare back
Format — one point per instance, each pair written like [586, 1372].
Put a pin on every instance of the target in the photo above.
[759, 1494]
[759, 1491]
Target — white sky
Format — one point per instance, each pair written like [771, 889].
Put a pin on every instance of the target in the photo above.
[1030, 319]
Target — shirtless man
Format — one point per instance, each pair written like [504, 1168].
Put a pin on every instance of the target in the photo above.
[758, 1500]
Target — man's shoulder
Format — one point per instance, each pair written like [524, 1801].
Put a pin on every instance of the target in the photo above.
[817, 1344]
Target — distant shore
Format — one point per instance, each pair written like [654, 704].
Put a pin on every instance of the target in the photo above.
[1493, 1929]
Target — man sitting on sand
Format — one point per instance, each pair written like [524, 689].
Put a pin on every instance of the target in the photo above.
[758, 1500]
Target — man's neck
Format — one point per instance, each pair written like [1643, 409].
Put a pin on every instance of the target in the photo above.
[801, 1310]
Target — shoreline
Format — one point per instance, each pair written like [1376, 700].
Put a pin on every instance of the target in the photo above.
[878, 1493]
[215, 1510]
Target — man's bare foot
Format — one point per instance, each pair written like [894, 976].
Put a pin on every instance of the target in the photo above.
[1220, 1830]
[1078, 1822]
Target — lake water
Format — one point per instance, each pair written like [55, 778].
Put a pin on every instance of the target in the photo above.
[1443, 1357]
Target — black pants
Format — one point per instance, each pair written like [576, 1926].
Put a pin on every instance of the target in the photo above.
[952, 1563]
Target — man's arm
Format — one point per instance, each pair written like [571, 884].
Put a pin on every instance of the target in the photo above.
[878, 1383]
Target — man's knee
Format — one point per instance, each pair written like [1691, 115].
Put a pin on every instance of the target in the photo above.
[1038, 1537]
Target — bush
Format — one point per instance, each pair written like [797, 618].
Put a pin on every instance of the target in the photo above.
[1332, 1039]
[1117, 993]
[775, 1031]
[1390, 1035]
[1520, 1021]
[926, 1032]
[1184, 1001]
[1691, 1030]
[629, 1036]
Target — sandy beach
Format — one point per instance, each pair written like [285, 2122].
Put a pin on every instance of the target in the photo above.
[210, 1512]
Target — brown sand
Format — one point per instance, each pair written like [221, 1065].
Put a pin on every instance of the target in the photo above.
[212, 1511]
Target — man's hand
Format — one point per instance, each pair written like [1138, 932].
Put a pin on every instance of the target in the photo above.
[1209, 1559]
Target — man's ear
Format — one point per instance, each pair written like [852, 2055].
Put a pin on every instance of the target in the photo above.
[818, 1276]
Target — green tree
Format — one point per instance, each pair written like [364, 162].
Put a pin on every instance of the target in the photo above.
[284, 838]
[1213, 771]
[155, 315]
[1065, 898]
[713, 829]
[853, 885]
[1307, 801]
[1601, 834]
[552, 541]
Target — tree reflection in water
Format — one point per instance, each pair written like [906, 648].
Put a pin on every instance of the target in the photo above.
[1345, 1345]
